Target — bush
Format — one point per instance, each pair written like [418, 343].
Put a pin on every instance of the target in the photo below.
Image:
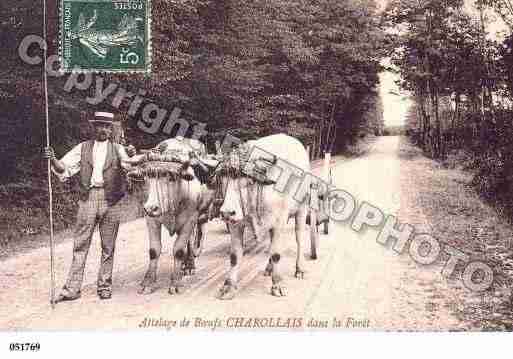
[25, 209]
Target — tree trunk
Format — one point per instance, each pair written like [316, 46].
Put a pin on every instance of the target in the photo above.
[455, 118]
[438, 130]
[328, 142]
[319, 142]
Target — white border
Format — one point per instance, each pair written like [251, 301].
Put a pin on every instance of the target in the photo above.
[261, 345]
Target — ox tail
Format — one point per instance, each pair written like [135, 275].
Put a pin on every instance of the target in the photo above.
[313, 209]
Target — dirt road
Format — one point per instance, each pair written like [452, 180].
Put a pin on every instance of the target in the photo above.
[354, 277]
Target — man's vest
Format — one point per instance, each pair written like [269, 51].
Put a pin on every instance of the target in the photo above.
[113, 180]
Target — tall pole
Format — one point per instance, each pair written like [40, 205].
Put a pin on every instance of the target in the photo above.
[50, 197]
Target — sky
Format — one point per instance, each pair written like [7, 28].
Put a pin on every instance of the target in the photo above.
[396, 106]
[395, 103]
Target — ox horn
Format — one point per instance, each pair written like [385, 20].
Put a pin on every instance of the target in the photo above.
[136, 160]
[172, 157]
[135, 173]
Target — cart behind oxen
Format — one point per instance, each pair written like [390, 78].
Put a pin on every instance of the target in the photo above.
[327, 177]
[323, 215]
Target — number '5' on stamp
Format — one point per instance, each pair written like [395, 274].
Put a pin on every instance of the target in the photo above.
[105, 35]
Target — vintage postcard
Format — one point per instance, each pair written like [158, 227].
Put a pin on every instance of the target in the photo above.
[256, 166]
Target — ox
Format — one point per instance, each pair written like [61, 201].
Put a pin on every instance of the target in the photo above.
[251, 199]
[173, 197]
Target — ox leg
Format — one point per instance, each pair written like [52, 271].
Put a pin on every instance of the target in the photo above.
[194, 248]
[269, 267]
[192, 251]
[148, 285]
[278, 289]
[300, 229]
[176, 285]
[229, 288]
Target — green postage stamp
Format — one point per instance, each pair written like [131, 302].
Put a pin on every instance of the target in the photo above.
[105, 35]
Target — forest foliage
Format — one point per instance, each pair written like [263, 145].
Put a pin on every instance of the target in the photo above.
[247, 68]
[461, 81]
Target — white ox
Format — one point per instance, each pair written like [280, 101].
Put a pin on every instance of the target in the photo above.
[253, 201]
[174, 198]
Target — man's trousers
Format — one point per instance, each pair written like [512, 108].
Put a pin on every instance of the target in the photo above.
[94, 211]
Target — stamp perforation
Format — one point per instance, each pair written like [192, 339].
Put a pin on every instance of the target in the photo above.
[147, 45]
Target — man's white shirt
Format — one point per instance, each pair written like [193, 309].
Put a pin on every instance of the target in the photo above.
[71, 161]
[99, 155]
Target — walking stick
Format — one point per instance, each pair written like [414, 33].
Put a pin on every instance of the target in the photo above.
[50, 197]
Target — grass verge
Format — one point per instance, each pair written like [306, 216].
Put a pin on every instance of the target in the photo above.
[456, 215]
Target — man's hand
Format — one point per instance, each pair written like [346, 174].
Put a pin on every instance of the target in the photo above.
[48, 153]
[130, 150]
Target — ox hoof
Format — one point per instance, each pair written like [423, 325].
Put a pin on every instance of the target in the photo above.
[300, 274]
[188, 272]
[147, 289]
[227, 292]
[189, 266]
[278, 291]
[178, 289]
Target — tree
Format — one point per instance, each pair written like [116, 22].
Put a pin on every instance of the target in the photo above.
[442, 58]
[245, 68]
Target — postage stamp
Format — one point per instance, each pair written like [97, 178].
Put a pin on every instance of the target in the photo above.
[105, 35]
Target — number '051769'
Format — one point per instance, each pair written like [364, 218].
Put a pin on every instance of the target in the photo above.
[128, 5]
[24, 347]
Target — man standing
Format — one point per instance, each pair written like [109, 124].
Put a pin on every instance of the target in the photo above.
[99, 163]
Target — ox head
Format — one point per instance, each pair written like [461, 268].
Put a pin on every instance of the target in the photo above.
[158, 180]
[241, 180]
